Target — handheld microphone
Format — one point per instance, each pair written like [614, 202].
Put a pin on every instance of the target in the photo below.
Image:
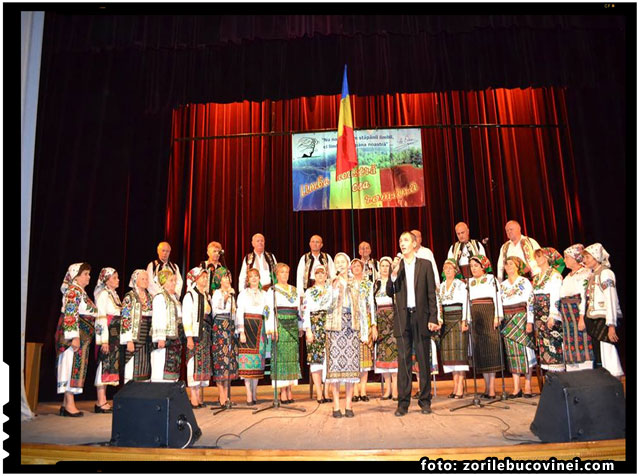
[484, 241]
[221, 253]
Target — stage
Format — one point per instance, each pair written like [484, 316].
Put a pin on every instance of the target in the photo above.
[276, 435]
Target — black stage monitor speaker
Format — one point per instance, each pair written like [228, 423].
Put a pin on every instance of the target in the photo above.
[580, 406]
[153, 415]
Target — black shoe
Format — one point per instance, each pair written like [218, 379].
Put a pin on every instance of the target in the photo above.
[65, 413]
[327, 400]
[426, 409]
[395, 399]
[349, 413]
[99, 409]
[388, 397]
[458, 397]
[400, 412]
[515, 395]
[356, 398]
[452, 395]
[364, 398]
[251, 403]
[337, 414]
[527, 395]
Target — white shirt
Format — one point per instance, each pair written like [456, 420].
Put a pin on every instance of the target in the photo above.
[246, 304]
[159, 317]
[520, 292]
[426, 253]
[410, 272]
[576, 283]
[260, 263]
[106, 307]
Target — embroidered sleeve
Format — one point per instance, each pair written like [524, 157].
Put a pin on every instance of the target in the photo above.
[71, 307]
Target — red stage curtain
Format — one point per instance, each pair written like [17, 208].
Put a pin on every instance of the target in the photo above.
[227, 189]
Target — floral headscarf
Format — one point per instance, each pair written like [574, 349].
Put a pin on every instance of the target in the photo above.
[599, 254]
[164, 275]
[134, 277]
[72, 272]
[520, 265]
[483, 261]
[553, 258]
[218, 275]
[575, 251]
[456, 268]
[105, 274]
[192, 276]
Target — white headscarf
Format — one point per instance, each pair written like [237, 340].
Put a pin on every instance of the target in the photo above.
[72, 273]
[599, 254]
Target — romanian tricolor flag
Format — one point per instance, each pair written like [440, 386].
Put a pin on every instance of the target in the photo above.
[346, 158]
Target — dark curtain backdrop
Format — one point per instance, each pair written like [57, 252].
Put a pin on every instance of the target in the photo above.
[227, 189]
[110, 82]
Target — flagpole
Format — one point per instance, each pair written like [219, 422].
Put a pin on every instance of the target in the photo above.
[353, 230]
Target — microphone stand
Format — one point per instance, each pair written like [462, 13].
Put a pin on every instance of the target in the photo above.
[229, 405]
[503, 396]
[476, 403]
[275, 403]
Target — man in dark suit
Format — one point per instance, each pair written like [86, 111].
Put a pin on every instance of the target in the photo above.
[414, 294]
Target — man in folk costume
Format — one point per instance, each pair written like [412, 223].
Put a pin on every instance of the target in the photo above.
[370, 265]
[520, 246]
[464, 248]
[308, 264]
[153, 268]
[260, 259]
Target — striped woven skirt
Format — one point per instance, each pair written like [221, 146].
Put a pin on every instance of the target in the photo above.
[453, 342]
[252, 353]
[577, 346]
[343, 352]
[386, 347]
[224, 349]
[141, 354]
[286, 362]
[549, 342]
[486, 339]
[80, 361]
[516, 339]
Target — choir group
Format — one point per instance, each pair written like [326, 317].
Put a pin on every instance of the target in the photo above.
[343, 310]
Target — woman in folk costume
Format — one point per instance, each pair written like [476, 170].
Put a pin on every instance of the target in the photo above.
[285, 326]
[317, 300]
[254, 306]
[74, 335]
[517, 304]
[577, 347]
[224, 345]
[369, 330]
[107, 335]
[546, 308]
[135, 328]
[344, 335]
[386, 345]
[603, 309]
[453, 317]
[166, 355]
[486, 312]
[196, 321]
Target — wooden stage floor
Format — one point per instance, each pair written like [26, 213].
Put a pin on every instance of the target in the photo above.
[281, 435]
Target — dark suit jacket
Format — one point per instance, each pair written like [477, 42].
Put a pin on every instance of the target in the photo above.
[425, 290]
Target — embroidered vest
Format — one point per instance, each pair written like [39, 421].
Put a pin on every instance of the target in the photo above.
[251, 257]
[458, 247]
[308, 259]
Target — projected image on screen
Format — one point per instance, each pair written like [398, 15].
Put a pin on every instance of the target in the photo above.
[389, 171]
